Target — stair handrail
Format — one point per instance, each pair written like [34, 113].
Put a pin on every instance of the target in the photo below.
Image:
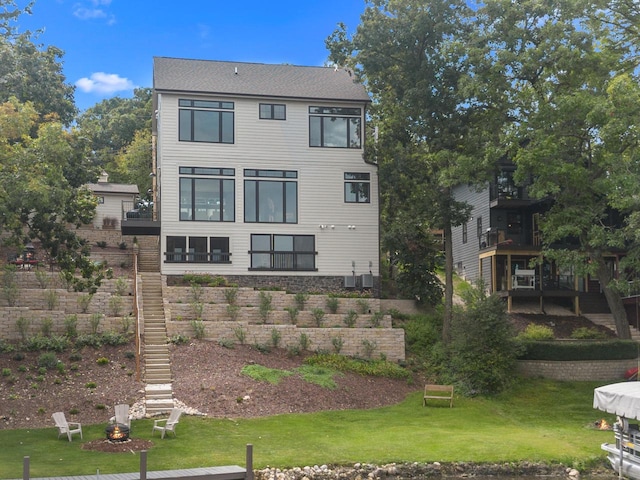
[136, 310]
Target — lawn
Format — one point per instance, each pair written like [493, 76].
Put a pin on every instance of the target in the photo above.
[538, 420]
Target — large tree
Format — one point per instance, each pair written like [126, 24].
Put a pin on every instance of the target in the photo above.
[31, 72]
[549, 73]
[112, 125]
[410, 55]
[38, 202]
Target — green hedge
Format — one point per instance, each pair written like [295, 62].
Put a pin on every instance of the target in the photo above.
[579, 350]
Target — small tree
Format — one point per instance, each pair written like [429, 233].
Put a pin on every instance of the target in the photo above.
[300, 299]
[265, 306]
[483, 350]
[10, 285]
[318, 316]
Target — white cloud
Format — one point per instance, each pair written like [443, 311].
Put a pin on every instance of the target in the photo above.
[88, 13]
[101, 82]
[84, 13]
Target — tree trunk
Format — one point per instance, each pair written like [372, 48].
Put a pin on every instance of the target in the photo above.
[614, 301]
[448, 283]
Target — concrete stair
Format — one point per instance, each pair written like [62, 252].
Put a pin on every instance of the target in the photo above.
[606, 320]
[157, 365]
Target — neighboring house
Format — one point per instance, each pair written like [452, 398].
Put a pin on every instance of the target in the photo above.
[260, 174]
[501, 242]
[113, 200]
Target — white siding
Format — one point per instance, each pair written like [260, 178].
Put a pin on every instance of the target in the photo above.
[279, 145]
[112, 207]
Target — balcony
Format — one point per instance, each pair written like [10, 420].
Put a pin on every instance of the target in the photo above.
[138, 219]
[178, 256]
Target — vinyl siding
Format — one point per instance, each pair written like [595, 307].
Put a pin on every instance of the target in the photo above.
[467, 253]
[276, 145]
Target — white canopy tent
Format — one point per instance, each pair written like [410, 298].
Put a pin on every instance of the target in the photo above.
[621, 399]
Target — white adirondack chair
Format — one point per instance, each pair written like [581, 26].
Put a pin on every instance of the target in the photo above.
[169, 423]
[121, 415]
[64, 427]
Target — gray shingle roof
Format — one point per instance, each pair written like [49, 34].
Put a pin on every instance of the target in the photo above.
[255, 79]
[102, 187]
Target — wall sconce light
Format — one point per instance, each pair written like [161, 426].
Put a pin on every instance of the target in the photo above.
[333, 227]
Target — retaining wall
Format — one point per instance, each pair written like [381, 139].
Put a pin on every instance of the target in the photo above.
[37, 305]
[605, 370]
[372, 335]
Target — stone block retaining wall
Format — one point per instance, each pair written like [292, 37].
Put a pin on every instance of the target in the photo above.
[383, 341]
[605, 370]
[362, 340]
[32, 304]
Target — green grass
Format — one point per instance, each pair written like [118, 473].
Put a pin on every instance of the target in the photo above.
[538, 420]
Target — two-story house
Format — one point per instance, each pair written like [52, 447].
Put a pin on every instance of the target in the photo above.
[501, 244]
[260, 174]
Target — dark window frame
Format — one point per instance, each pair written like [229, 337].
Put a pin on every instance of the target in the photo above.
[283, 260]
[193, 174]
[255, 178]
[223, 110]
[194, 253]
[272, 111]
[328, 114]
[362, 191]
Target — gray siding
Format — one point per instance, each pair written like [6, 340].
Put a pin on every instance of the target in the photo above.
[465, 254]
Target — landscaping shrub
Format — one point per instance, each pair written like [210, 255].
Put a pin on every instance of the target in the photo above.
[332, 304]
[587, 333]
[265, 306]
[300, 300]
[536, 332]
[318, 316]
[579, 350]
[350, 318]
[48, 360]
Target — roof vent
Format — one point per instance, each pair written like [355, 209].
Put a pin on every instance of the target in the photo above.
[235, 70]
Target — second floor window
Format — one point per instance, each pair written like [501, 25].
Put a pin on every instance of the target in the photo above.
[269, 200]
[272, 111]
[206, 121]
[207, 199]
[356, 187]
[336, 127]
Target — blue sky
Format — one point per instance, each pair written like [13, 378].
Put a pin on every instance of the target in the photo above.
[109, 45]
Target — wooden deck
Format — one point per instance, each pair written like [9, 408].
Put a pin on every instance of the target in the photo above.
[228, 472]
[232, 472]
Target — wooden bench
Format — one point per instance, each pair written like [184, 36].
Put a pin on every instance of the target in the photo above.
[438, 392]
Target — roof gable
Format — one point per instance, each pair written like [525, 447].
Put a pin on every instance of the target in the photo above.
[256, 79]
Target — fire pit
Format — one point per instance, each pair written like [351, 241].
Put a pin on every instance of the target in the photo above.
[117, 432]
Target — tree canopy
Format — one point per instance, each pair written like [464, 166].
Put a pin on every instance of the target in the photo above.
[410, 55]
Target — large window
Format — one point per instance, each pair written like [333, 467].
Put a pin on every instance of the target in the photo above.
[273, 111]
[207, 199]
[334, 127]
[206, 121]
[282, 252]
[269, 200]
[200, 250]
[356, 187]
